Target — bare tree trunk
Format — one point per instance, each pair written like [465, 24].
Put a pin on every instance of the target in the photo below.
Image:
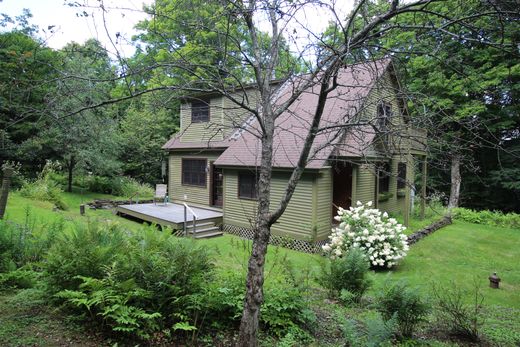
[255, 274]
[70, 168]
[455, 182]
[6, 182]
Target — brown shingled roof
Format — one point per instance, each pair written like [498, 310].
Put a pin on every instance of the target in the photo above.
[343, 104]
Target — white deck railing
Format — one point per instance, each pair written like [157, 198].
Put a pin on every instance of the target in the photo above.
[186, 208]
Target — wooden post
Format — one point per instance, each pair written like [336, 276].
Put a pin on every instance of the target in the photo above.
[408, 188]
[6, 183]
[423, 186]
[82, 209]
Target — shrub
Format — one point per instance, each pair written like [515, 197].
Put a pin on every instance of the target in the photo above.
[136, 282]
[130, 188]
[18, 279]
[112, 301]
[83, 250]
[371, 332]
[455, 315]
[44, 188]
[378, 236]
[22, 244]
[98, 184]
[405, 304]
[284, 306]
[486, 217]
[347, 275]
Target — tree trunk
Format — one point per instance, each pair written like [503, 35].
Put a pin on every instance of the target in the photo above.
[255, 269]
[455, 182]
[6, 182]
[70, 167]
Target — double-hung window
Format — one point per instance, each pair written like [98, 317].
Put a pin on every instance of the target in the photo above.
[247, 186]
[383, 175]
[401, 176]
[194, 172]
[199, 111]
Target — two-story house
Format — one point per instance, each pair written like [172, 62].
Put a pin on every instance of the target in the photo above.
[365, 152]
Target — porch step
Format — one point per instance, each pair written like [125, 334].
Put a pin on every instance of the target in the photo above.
[203, 230]
[208, 235]
[189, 226]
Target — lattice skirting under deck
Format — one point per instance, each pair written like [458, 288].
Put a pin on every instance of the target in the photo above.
[276, 240]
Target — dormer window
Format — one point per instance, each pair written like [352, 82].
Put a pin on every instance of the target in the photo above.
[384, 113]
[199, 111]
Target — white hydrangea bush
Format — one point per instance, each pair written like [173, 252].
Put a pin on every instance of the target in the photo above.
[380, 237]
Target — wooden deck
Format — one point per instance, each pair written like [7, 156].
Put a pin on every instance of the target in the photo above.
[172, 214]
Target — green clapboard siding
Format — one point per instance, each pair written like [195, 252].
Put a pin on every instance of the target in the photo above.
[202, 132]
[176, 191]
[297, 220]
[235, 115]
[323, 209]
[365, 187]
[392, 204]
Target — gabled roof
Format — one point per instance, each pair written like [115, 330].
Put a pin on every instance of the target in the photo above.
[342, 107]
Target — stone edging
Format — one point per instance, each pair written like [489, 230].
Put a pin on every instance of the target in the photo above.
[418, 235]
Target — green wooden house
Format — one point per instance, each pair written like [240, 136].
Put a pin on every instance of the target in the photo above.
[370, 152]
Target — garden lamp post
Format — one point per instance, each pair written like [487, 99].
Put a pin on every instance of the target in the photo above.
[494, 280]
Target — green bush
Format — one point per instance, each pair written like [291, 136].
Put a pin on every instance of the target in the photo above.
[371, 332]
[97, 184]
[131, 188]
[83, 250]
[455, 315]
[44, 188]
[284, 306]
[112, 300]
[486, 217]
[19, 278]
[403, 303]
[136, 282]
[120, 186]
[347, 275]
[22, 244]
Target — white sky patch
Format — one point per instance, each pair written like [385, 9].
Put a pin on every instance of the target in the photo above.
[71, 25]
[308, 23]
[122, 15]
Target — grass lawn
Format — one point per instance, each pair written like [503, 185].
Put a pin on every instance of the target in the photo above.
[461, 254]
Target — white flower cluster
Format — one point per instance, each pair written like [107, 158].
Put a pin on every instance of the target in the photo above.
[380, 237]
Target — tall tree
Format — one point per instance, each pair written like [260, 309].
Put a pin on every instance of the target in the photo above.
[90, 139]
[26, 74]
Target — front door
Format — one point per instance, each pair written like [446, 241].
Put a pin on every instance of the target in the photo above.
[216, 186]
[341, 186]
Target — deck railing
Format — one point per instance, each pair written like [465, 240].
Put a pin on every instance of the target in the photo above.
[186, 208]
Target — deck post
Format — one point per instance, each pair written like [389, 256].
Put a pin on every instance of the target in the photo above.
[423, 187]
[193, 229]
[185, 220]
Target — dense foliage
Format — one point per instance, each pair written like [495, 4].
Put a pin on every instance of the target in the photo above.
[486, 217]
[140, 283]
[347, 276]
[404, 304]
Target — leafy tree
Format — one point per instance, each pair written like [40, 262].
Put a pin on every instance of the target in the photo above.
[26, 72]
[88, 140]
[462, 86]
[146, 126]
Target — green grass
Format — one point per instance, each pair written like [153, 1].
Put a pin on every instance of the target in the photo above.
[462, 254]
[18, 208]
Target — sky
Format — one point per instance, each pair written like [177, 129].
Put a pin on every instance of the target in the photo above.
[121, 16]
